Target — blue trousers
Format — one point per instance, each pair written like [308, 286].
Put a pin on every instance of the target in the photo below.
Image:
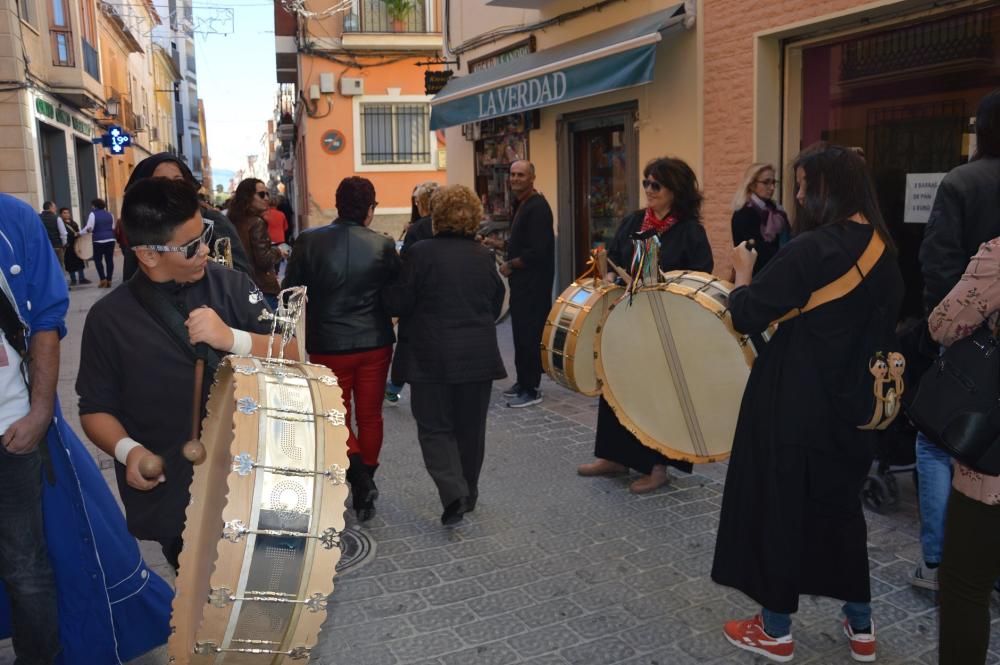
[24, 560]
[934, 472]
[777, 624]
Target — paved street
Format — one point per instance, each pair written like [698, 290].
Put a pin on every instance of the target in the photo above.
[554, 569]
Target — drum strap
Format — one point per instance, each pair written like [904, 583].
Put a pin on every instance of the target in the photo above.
[171, 319]
[673, 358]
[846, 283]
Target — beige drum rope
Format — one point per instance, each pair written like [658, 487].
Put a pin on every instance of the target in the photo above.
[677, 374]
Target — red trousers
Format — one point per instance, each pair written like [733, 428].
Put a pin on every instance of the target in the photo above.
[362, 378]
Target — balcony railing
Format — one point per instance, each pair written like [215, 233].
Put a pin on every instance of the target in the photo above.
[373, 16]
[951, 40]
[91, 61]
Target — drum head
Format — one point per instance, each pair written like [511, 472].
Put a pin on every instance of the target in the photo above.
[674, 373]
[84, 246]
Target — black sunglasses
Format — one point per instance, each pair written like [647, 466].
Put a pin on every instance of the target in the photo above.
[263, 195]
[651, 184]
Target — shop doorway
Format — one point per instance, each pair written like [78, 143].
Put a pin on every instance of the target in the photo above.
[601, 183]
[55, 169]
[86, 176]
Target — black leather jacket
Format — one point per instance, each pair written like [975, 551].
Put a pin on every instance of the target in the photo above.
[344, 265]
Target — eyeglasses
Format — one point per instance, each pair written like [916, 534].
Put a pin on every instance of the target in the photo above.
[651, 184]
[189, 249]
[263, 195]
[769, 182]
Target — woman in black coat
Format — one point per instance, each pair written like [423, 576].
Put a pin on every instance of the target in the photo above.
[673, 210]
[448, 299]
[757, 219]
[791, 520]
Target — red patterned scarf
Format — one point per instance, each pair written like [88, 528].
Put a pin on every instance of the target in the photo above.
[651, 221]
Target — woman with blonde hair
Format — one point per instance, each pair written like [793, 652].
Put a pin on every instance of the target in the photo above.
[757, 219]
[448, 298]
[420, 229]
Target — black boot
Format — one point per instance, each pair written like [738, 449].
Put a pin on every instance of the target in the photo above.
[362, 488]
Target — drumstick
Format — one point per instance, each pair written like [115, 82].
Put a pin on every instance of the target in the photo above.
[194, 449]
[621, 273]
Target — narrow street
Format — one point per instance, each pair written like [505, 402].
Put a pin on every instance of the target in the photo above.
[555, 569]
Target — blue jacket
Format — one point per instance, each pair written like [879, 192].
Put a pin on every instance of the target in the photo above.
[112, 607]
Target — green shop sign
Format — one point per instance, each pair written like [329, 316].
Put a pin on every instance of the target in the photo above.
[63, 117]
[45, 108]
[81, 127]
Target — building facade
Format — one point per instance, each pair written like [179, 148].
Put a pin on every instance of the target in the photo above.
[176, 36]
[360, 104]
[51, 96]
[591, 94]
[162, 124]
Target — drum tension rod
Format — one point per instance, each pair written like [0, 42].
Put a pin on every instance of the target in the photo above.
[234, 531]
[210, 648]
[249, 406]
[243, 464]
[223, 596]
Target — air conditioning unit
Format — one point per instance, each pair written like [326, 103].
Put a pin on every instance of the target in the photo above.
[154, 133]
[350, 87]
[139, 123]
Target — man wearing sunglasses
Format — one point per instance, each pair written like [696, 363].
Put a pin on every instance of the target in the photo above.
[139, 348]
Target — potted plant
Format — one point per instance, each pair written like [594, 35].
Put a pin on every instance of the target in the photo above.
[397, 11]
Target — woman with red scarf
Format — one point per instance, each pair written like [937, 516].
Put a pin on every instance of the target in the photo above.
[673, 210]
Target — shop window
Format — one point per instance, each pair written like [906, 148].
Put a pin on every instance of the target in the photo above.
[395, 133]
[905, 97]
[502, 141]
[60, 33]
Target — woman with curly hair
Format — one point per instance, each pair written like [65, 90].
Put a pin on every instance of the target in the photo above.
[673, 212]
[448, 299]
[250, 201]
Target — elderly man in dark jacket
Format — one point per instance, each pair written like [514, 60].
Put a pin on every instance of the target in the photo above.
[345, 266]
[448, 299]
[966, 213]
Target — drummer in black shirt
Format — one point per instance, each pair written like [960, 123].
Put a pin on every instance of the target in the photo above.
[136, 377]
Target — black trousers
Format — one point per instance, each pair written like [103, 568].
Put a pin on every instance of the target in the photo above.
[969, 567]
[104, 259]
[24, 560]
[529, 308]
[451, 427]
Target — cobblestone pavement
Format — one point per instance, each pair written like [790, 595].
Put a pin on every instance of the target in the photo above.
[554, 569]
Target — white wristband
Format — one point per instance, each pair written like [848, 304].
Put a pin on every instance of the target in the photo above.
[124, 447]
[242, 342]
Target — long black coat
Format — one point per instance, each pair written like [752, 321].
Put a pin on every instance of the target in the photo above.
[448, 298]
[684, 246]
[791, 520]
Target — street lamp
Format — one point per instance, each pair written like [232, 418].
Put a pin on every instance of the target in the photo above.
[111, 108]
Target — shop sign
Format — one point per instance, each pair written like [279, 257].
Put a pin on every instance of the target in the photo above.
[81, 126]
[921, 188]
[491, 61]
[435, 81]
[45, 108]
[621, 70]
[116, 140]
[63, 117]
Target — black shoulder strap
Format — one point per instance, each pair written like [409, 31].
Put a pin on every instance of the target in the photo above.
[13, 328]
[171, 319]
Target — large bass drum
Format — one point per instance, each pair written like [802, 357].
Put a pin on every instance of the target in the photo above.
[570, 332]
[263, 528]
[84, 246]
[673, 367]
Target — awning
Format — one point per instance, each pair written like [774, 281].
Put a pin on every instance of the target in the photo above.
[619, 57]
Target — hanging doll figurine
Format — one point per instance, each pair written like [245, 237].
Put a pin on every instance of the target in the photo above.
[897, 365]
[888, 387]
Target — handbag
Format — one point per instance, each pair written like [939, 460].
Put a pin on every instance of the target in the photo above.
[956, 404]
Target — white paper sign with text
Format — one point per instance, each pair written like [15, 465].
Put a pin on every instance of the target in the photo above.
[921, 188]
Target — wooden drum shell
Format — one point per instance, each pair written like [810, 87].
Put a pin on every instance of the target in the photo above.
[258, 565]
[570, 334]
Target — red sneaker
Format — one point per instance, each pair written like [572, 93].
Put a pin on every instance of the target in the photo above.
[749, 635]
[862, 644]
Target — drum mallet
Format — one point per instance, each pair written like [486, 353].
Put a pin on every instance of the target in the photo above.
[151, 467]
[194, 449]
[621, 273]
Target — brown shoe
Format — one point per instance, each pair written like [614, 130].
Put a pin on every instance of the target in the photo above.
[601, 467]
[658, 478]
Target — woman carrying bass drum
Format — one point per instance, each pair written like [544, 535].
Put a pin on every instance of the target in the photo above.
[673, 210]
